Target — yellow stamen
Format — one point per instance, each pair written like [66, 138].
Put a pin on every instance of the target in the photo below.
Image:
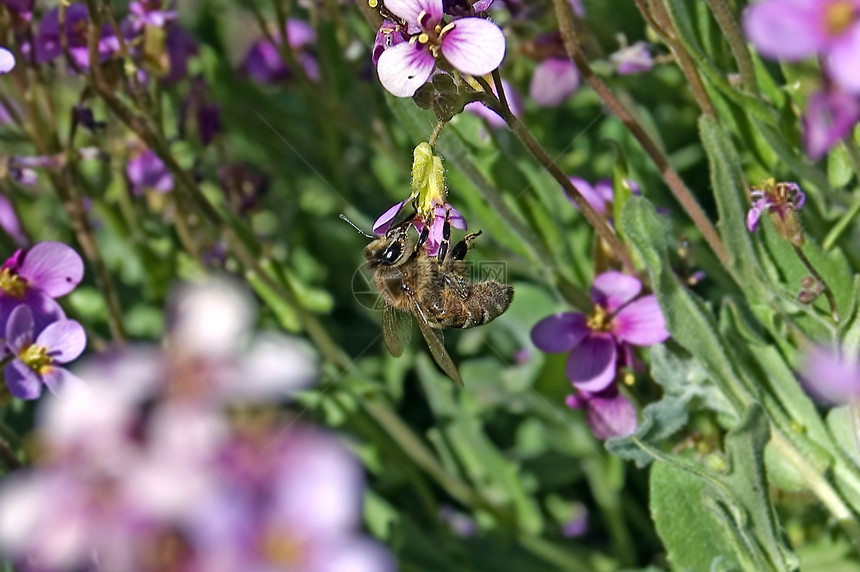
[629, 379]
[599, 320]
[446, 29]
[839, 16]
[423, 38]
[36, 358]
[12, 284]
[372, 3]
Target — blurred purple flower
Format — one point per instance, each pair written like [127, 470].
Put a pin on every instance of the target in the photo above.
[146, 172]
[180, 47]
[460, 524]
[388, 35]
[83, 115]
[9, 222]
[22, 8]
[37, 359]
[35, 277]
[608, 413]
[47, 41]
[204, 114]
[830, 116]
[633, 59]
[494, 119]
[619, 319]
[472, 46]
[797, 29]
[578, 524]
[243, 185]
[264, 63]
[553, 81]
[780, 201]
[150, 13]
[830, 376]
[598, 196]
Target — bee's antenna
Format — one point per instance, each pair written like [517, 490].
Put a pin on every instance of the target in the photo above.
[353, 225]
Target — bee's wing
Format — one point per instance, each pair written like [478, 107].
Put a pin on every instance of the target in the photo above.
[396, 329]
[433, 337]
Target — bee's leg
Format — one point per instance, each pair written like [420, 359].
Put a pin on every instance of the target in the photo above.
[461, 248]
[446, 239]
[422, 238]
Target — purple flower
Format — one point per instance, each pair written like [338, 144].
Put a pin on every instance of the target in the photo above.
[830, 117]
[205, 115]
[554, 80]
[9, 222]
[633, 59]
[265, 64]
[780, 201]
[146, 172]
[494, 119]
[150, 13]
[35, 277]
[793, 30]
[598, 196]
[243, 185]
[37, 359]
[180, 46]
[388, 35]
[608, 412]
[619, 319]
[47, 42]
[472, 46]
[830, 376]
[434, 239]
[577, 525]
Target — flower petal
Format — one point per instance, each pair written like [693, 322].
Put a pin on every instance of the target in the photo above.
[830, 377]
[404, 68]
[610, 415]
[769, 25]
[300, 33]
[829, 118]
[592, 195]
[591, 364]
[409, 10]
[753, 218]
[560, 332]
[7, 61]
[22, 381]
[640, 323]
[614, 289]
[65, 340]
[59, 378]
[19, 328]
[474, 46]
[382, 224]
[53, 267]
[553, 81]
[842, 59]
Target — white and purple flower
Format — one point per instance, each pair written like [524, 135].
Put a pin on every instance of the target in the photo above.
[473, 46]
[37, 359]
[633, 59]
[781, 201]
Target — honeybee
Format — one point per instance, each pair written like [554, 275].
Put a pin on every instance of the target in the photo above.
[432, 288]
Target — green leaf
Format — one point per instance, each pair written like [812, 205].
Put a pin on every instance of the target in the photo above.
[839, 169]
[690, 534]
[728, 187]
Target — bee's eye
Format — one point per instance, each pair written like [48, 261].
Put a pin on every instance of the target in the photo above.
[392, 253]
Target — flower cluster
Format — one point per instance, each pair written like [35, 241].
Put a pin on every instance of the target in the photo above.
[829, 29]
[433, 209]
[38, 339]
[167, 459]
[597, 343]
[409, 45]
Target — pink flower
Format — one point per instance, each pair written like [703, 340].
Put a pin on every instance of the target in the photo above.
[494, 119]
[831, 376]
[473, 46]
[608, 412]
[633, 59]
[780, 201]
[435, 237]
[619, 319]
[794, 30]
[830, 116]
[554, 80]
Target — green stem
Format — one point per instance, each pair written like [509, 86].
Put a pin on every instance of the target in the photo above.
[682, 194]
[524, 135]
[723, 13]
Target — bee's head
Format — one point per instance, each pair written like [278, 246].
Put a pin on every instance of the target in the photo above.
[390, 249]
